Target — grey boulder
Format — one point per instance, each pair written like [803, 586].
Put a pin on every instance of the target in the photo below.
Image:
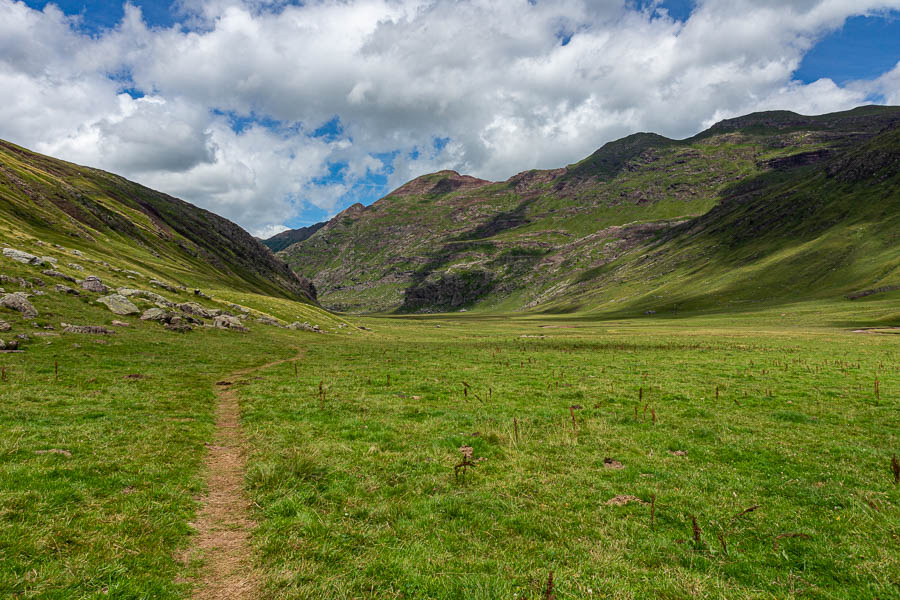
[64, 289]
[192, 308]
[153, 314]
[57, 274]
[19, 302]
[93, 283]
[229, 322]
[119, 304]
[22, 257]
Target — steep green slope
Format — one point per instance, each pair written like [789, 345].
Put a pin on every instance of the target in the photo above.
[108, 361]
[818, 232]
[446, 241]
[91, 210]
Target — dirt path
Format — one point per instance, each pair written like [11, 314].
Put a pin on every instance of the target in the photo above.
[223, 524]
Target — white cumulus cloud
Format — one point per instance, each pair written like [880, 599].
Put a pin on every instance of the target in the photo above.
[228, 99]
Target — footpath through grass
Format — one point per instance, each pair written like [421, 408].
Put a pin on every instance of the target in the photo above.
[102, 443]
[575, 427]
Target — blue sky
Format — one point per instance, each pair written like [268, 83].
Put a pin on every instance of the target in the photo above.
[281, 114]
[104, 14]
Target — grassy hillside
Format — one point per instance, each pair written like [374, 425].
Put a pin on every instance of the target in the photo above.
[105, 418]
[282, 240]
[446, 242]
[826, 231]
[116, 220]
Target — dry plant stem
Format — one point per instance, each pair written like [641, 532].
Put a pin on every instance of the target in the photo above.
[548, 590]
[722, 542]
[746, 511]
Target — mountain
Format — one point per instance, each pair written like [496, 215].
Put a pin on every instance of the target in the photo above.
[282, 240]
[827, 230]
[552, 239]
[43, 199]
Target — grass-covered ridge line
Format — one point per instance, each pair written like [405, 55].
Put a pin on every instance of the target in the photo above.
[414, 250]
[78, 207]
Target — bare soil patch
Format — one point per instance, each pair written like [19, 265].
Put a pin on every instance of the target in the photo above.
[224, 525]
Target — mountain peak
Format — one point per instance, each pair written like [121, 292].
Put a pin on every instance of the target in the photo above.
[442, 182]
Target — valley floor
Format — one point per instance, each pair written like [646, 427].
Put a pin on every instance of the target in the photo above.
[467, 456]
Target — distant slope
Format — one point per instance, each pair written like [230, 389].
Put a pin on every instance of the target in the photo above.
[87, 208]
[282, 240]
[446, 241]
[831, 230]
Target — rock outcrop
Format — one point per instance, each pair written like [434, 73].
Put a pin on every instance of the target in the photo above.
[88, 329]
[58, 275]
[229, 322]
[93, 283]
[22, 257]
[19, 302]
[119, 304]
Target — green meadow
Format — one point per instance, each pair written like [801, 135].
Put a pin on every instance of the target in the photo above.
[596, 447]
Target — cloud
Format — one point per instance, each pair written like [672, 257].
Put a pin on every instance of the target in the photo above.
[233, 95]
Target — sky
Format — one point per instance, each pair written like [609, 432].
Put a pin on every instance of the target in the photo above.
[278, 113]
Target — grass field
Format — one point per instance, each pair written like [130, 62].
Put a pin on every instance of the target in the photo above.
[351, 458]
[356, 494]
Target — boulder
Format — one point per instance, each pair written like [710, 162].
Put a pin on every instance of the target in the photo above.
[151, 296]
[179, 327]
[76, 252]
[120, 324]
[192, 308]
[58, 275]
[239, 308]
[267, 320]
[297, 325]
[22, 257]
[64, 289]
[89, 329]
[4, 326]
[228, 322]
[19, 302]
[163, 285]
[38, 282]
[49, 259]
[119, 304]
[153, 314]
[93, 284]
[75, 266]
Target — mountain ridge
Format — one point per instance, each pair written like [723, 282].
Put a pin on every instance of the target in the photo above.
[506, 245]
[93, 208]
